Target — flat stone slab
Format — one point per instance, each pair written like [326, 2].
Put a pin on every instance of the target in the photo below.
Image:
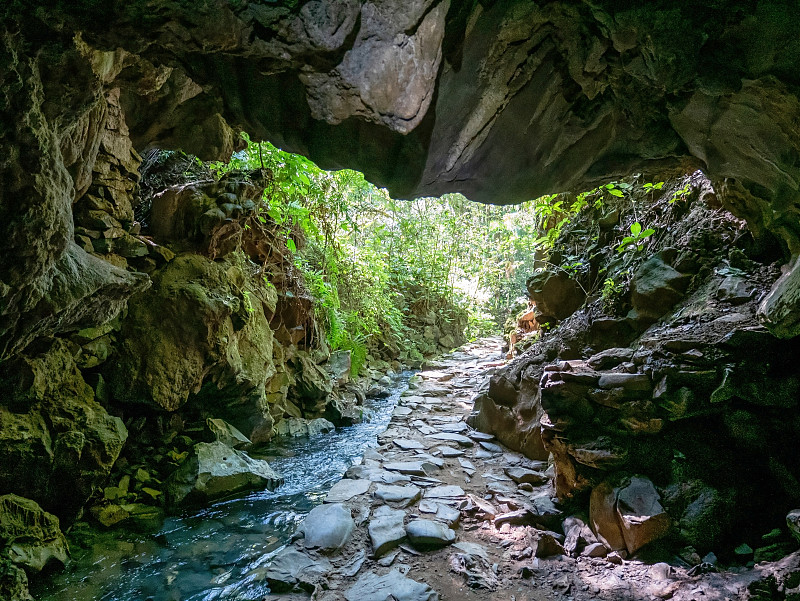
[428, 534]
[481, 436]
[448, 491]
[291, 568]
[401, 411]
[450, 452]
[453, 437]
[346, 489]
[455, 428]
[466, 464]
[371, 587]
[520, 475]
[491, 447]
[438, 462]
[327, 527]
[412, 468]
[386, 530]
[407, 444]
[403, 496]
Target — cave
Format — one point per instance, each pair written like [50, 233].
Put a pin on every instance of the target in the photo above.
[128, 307]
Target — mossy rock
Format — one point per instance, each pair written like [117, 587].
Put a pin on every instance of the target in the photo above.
[201, 317]
[29, 536]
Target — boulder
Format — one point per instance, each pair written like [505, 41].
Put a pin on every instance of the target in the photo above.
[556, 295]
[641, 516]
[371, 587]
[327, 527]
[629, 516]
[201, 317]
[56, 431]
[339, 365]
[292, 569]
[656, 287]
[320, 425]
[402, 496]
[346, 489]
[521, 475]
[29, 536]
[603, 517]
[215, 470]
[779, 310]
[546, 544]
[428, 534]
[386, 530]
[227, 434]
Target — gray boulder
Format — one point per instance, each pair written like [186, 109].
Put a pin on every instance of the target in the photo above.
[327, 527]
[386, 530]
[371, 587]
[215, 470]
[292, 569]
[427, 534]
[29, 536]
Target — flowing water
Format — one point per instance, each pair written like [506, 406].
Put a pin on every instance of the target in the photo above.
[208, 554]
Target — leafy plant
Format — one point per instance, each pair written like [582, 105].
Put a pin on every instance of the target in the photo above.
[635, 241]
[680, 194]
[610, 293]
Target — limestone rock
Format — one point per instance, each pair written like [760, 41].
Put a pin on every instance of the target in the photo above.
[29, 536]
[522, 475]
[428, 534]
[62, 433]
[346, 489]
[327, 527]
[195, 321]
[778, 311]
[628, 517]
[556, 294]
[292, 569]
[214, 470]
[371, 587]
[227, 434]
[656, 287]
[402, 496]
[641, 515]
[386, 530]
[547, 544]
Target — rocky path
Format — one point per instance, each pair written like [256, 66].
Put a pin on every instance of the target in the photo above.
[440, 511]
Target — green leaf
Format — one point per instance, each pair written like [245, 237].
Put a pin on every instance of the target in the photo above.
[291, 245]
[647, 232]
[616, 192]
[636, 228]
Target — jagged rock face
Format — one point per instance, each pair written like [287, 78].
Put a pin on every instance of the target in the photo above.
[53, 431]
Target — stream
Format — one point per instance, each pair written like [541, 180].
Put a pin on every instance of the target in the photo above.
[207, 554]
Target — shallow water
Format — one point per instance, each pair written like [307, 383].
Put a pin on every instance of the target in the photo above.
[206, 555]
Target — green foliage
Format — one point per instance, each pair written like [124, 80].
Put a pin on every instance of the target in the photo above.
[680, 194]
[635, 242]
[611, 293]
